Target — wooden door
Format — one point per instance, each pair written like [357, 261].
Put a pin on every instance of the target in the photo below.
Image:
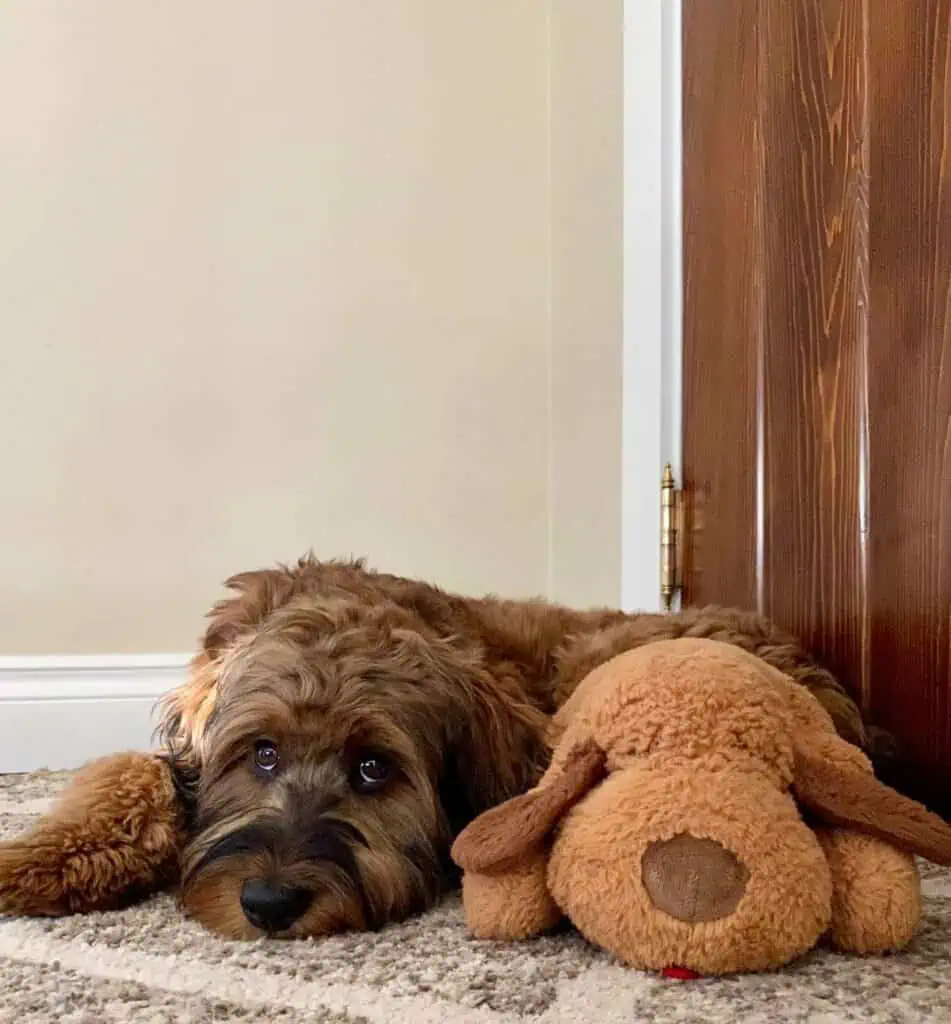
[817, 340]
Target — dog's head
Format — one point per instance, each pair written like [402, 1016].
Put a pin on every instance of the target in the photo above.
[336, 749]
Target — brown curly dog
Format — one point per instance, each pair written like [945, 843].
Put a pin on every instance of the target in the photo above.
[338, 728]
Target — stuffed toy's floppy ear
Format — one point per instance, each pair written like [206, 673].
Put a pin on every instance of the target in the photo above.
[850, 797]
[511, 830]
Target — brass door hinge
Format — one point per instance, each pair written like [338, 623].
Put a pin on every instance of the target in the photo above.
[671, 538]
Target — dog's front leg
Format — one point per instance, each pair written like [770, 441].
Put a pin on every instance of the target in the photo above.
[112, 837]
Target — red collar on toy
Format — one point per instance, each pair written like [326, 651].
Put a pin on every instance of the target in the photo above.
[680, 973]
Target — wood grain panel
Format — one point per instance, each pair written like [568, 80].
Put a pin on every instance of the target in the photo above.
[817, 341]
[722, 325]
[815, 142]
[910, 378]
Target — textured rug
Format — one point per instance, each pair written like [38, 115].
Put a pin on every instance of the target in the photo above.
[149, 966]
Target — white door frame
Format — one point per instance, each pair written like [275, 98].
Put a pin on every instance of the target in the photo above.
[652, 286]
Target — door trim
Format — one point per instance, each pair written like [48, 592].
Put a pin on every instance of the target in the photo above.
[652, 287]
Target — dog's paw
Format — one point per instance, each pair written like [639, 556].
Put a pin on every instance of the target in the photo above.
[112, 837]
[32, 881]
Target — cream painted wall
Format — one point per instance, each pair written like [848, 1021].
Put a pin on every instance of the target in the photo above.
[280, 276]
[586, 327]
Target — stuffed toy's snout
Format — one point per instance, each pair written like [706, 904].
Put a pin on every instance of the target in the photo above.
[669, 827]
[693, 879]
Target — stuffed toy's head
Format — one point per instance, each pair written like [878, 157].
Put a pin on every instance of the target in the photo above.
[700, 812]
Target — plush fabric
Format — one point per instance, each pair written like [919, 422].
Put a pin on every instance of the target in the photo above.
[693, 851]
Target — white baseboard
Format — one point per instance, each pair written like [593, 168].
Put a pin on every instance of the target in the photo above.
[60, 711]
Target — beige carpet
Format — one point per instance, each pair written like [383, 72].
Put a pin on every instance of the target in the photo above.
[148, 966]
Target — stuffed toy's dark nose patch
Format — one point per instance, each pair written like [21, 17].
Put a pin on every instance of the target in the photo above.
[693, 880]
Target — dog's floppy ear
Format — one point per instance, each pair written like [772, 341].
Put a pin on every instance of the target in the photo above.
[838, 793]
[184, 712]
[493, 739]
[512, 829]
[254, 594]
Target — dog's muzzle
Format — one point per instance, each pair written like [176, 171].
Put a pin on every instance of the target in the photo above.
[273, 908]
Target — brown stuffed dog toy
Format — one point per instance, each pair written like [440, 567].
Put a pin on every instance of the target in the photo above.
[700, 814]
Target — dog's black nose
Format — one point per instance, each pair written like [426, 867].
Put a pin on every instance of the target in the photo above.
[273, 908]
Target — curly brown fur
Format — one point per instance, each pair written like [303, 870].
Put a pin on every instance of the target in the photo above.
[333, 665]
[330, 684]
[114, 834]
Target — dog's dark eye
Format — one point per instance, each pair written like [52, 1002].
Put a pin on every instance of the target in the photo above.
[266, 757]
[371, 773]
